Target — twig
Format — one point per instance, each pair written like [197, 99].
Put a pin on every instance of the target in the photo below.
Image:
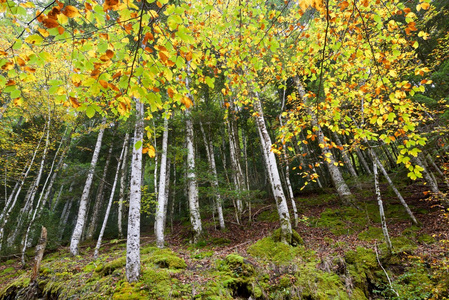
[28, 24]
[260, 210]
[386, 274]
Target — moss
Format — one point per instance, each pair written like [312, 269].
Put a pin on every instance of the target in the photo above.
[269, 216]
[277, 252]
[362, 267]
[426, 239]
[372, 233]
[166, 258]
[129, 291]
[312, 283]
[296, 239]
[108, 268]
[220, 241]
[402, 244]
[7, 270]
[341, 221]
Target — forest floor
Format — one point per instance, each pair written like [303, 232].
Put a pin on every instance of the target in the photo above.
[343, 256]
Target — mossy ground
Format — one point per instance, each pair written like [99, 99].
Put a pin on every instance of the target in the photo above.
[338, 253]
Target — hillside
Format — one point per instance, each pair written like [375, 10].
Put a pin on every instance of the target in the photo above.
[341, 255]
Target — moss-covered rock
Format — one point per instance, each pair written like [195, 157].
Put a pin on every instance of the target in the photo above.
[276, 252]
[165, 258]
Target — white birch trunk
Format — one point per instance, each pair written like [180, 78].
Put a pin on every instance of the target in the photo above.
[347, 161]
[99, 197]
[133, 241]
[121, 200]
[363, 161]
[78, 231]
[159, 225]
[393, 187]
[64, 218]
[273, 173]
[111, 198]
[213, 168]
[381, 208]
[432, 162]
[167, 191]
[431, 182]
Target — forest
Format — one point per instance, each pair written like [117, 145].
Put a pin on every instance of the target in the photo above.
[224, 149]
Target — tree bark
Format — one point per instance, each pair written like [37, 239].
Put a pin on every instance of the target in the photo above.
[159, 225]
[195, 218]
[213, 169]
[99, 198]
[78, 231]
[273, 173]
[133, 241]
[111, 198]
[121, 200]
[381, 208]
[398, 194]
[40, 248]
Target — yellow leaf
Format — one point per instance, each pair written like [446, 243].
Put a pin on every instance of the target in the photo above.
[151, 151]
[43, 32]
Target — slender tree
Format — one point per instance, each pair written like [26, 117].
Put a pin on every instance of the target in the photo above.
[79, 227]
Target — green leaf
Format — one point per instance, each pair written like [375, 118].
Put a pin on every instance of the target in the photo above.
[15, 94]
[138, 145]
[90, 112]
[34, 39]
[17, 45]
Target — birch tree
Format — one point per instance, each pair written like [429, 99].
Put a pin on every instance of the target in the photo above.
[79, 227]
[273, 174]
[133, 240]
[159, 224]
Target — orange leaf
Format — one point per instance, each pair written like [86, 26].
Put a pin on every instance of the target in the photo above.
[118, 74]
[103, 83]
[20, 61]
[110, 53]
[163, 56]
[50, 23]
[70, 11]
[170, 92]
[10, 82]
[88, 6]
[187, 102]
[61, 30]
[74, 102]
[110, 4]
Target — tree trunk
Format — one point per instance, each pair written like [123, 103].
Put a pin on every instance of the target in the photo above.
[431, 182]
[40, 248]
[213, 168]
[234, 151]
[121, 200]
[78, 231]
[398, 194]
[111, 198]
[133, 241]
[273, 174]
[99, 198]
[381, 208]
[195, 218]
[347, 161]
[161, 196]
